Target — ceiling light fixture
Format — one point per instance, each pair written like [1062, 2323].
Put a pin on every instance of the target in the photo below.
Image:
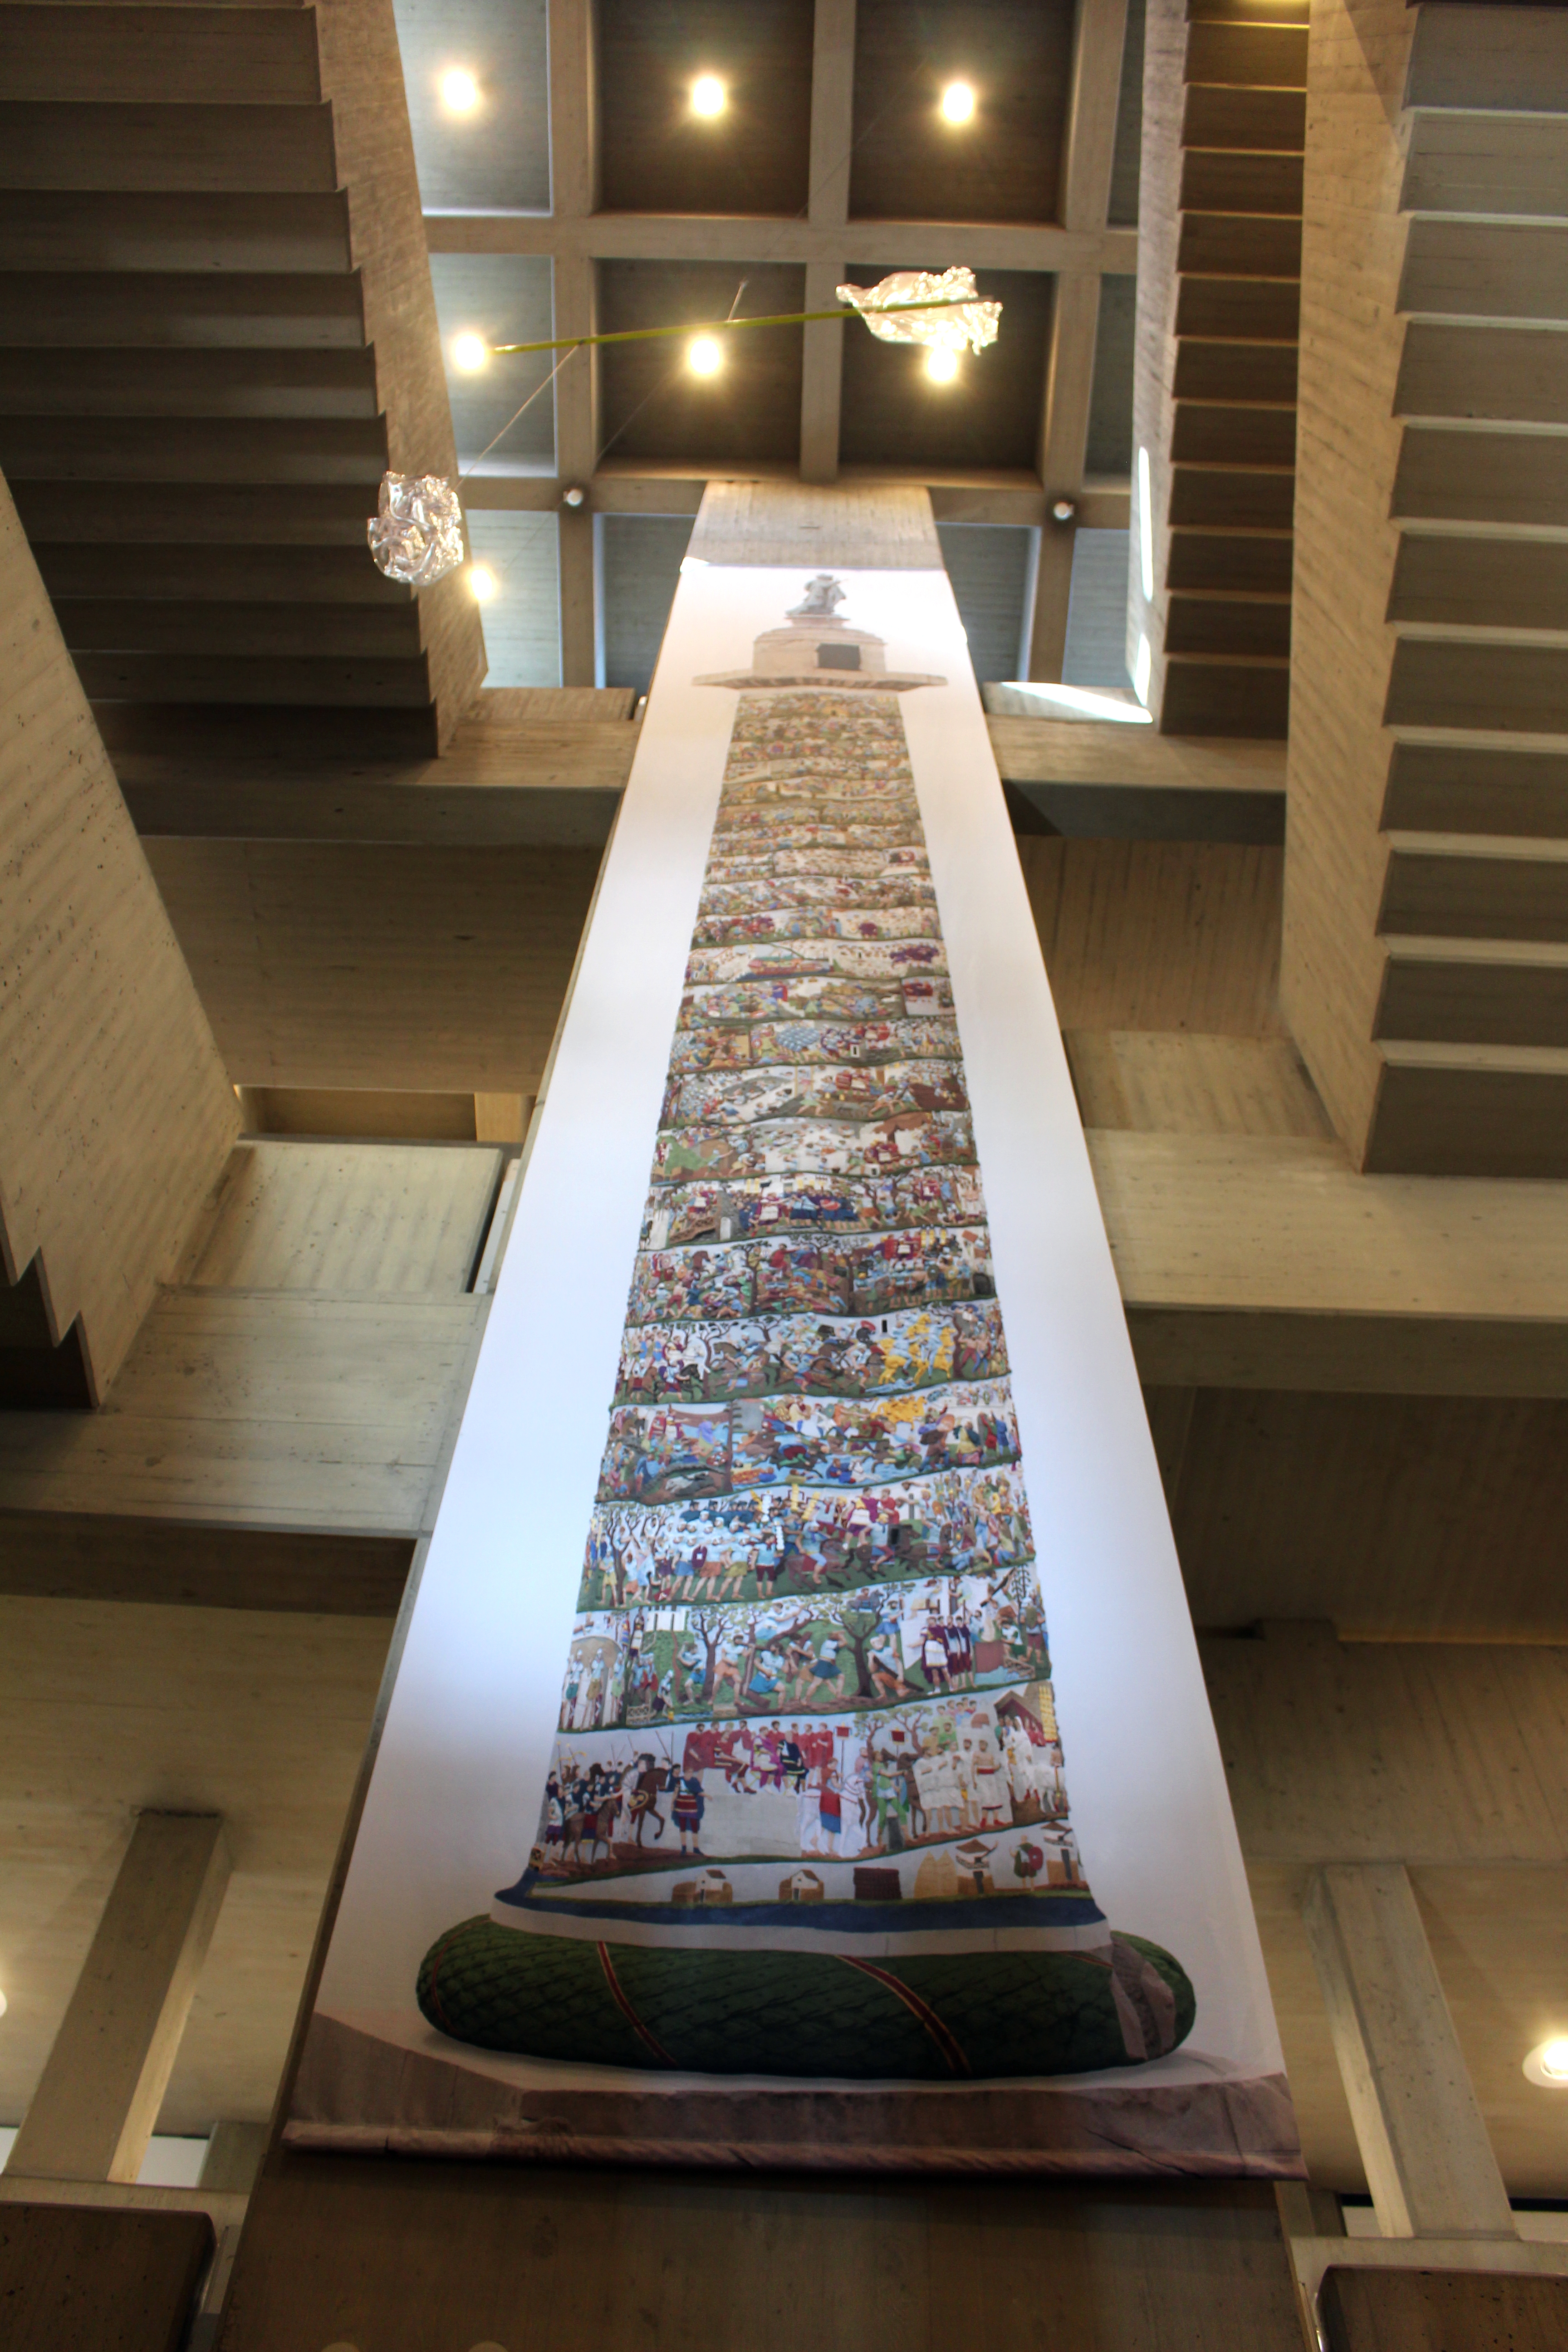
[459, 91]
[704, 357]
[942, 366]
[1547, 2064]
[470, 352]
[482, 582]
[958, 102]
[708, 96]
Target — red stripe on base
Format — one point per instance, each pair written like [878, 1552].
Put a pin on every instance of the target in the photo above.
[957, 2062]
[618, 1996]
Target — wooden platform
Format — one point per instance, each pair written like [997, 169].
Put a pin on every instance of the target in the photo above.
[97, 2279]
[338, 2247]
[545, 776]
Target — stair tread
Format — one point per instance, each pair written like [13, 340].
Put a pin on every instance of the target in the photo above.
[1533, 849]
[1249, 89]
[1419, 947]
[1510, 115]
[1232, 595]
[1230, 661]
[1427, 1053]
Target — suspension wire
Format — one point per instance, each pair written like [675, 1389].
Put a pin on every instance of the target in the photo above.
[527, 404]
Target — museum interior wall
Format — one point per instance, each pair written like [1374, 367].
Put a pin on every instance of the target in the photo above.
[292, 901]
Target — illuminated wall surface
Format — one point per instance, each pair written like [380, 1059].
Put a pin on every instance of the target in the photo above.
[803, 1812]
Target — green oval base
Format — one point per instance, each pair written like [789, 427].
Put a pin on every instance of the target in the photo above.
[928, 2017]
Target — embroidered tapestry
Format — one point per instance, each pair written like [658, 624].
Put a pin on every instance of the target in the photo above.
[802, 1845]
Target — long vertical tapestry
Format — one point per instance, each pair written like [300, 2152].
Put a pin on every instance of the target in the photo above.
[735, 1810]
[807, 1810]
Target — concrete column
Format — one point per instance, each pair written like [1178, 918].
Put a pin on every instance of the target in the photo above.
[578, 591]
[1053, 591]
[1429, 2164]
[104, 2084]
[233, 2157]
[832, 145]
[574, 195]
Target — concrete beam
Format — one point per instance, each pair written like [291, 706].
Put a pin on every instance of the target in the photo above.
[96, 2104]
[1429, 2164]
[891, 244]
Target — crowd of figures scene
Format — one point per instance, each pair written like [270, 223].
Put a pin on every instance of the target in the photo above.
[892, 1784]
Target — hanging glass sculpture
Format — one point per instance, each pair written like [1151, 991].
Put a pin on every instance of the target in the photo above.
[888, 309]
[416, 532]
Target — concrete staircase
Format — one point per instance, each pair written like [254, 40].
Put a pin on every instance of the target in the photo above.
[215, 333]
[1428, 764]
[1473, 1015]
[1233, 442]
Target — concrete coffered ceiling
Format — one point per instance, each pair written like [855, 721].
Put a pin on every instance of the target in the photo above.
[582, 190]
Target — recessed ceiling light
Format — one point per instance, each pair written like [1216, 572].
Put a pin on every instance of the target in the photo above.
[470, 352]
[942, 366]
[958, 102]
[482, 582]
[704, 356]
[708, 96]
[459, 91]
[1547, 2063]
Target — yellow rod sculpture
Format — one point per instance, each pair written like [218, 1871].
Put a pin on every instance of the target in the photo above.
[715, 326]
